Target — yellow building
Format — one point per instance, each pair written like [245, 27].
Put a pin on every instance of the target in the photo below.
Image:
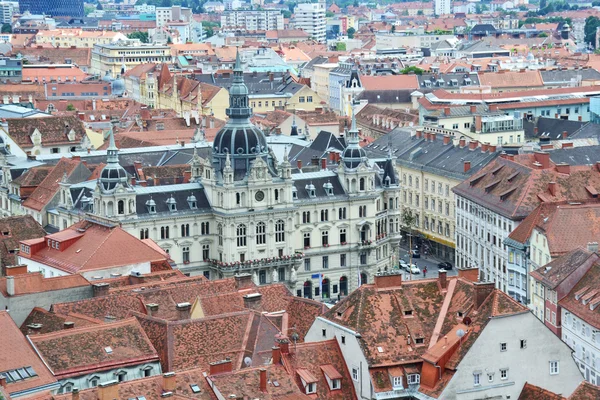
[77, 37]
[303, 98]
[319, 81]
[119, 57]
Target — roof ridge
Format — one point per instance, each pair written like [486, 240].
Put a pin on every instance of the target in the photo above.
[70, 332]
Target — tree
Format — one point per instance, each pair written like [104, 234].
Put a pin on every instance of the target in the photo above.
[99, 7]
[351, 32]
[286, 14]
[413, 69]
[393, 29]
[142, 36]
[591, 24]
[329, 14]
[6, 28]
[71, 107]
[420, 12]
[543, 3]
[340, 46]
[543, 34]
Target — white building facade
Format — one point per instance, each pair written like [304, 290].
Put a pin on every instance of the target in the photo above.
[252, 20]
[311, 18]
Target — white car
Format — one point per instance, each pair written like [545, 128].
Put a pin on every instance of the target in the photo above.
[415, 270]
[403, 265]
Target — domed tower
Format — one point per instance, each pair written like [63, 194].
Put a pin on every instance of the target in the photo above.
[353, 154]
[356, 172]
[239, 138]
[113, 173]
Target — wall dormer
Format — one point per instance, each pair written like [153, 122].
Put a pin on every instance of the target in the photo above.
[333, 377]
[309, 381]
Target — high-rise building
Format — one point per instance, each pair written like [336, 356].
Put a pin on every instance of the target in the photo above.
[265, 20]
[172, 14]
[55, 8]
[442, 7]
[7, 9]
[311, 18]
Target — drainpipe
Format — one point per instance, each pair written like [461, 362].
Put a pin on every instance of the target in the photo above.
[437, 366]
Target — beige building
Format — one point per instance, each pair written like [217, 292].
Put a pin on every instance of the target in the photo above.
[319, 81]
[117, 58]
[77, 38]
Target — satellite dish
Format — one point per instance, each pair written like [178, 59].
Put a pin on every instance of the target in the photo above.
[247, 361]
[467, 321]
[460, 333]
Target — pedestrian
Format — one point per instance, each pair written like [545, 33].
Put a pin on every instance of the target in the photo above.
[425, 272]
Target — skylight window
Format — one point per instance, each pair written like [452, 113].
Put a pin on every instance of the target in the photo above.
[195, 388]
[108, 350]
[19, 374]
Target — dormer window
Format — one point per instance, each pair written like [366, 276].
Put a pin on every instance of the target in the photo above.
[294, 193]
[310, 189]
[172, 204]
[336, 384]
[192, 202]
[308, 380]
[328, 188]
[151, 206]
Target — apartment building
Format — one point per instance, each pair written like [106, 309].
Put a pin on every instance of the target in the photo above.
[252, 20]
[174, 13]
[116, 58]
[311, 18]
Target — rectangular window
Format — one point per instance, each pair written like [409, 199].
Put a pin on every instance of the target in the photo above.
[301, 99]
[503, 373]
[554, 368]
[523, 343]
[355, 373]
[503, 346]
[342, 260]
[476, 379]
[397, 382]
[325, 262]
[307, 264]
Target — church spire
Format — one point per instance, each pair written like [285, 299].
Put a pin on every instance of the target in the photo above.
[112, 152]
[238, 93]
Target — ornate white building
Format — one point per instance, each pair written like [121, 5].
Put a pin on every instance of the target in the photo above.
[321, 231]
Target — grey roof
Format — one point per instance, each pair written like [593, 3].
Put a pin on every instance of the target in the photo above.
[326, 140]
[588, 131]
[442, 44]
[558, 76]
[386, 96]
[482, 46]
[257, 83]
[550, 128]
[315, 61]
[445, 81]
[318, 183]
[480, 29]
[179, 194]
[432, 156]
[584, 155]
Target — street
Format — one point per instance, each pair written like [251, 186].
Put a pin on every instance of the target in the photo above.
[430, 262]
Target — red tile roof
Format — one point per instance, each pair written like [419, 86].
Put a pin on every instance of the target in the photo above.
[53, 130]
[81, 351]
[96, 247]
[585, 391]
[51, 322]
[532, 392]
[390, 82]
[12, 231]
[511, 79]
[16, 353]
[34, 282]
[583, 297]
[79, 56]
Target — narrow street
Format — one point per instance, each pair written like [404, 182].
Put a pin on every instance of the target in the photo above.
[430, 262]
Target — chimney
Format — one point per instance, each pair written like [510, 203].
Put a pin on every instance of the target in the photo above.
[432, 136]
[263, 379]
[565, 135]
[492, 148]
[220, 367]
[473, 108]
[75, 394]
[563, 168]
[419, 133]
[253, 301]
[183, 310]
[462, 142]
[469, 274]
[473, 144]
[442, 279]
[151, 308]
[478, 123]
[447, 139]
[535, 131]
[68, 325]
[324, 164]
[466, 166]
[494, 107]
[552, 188]
[314, 161]
[482, 291]
[34, 329]
[10, 285]
[100, 289]
[485, 147]
[108, 390]
[579, 118]
[243, 281]
[278, 131]
[567, 145]
[299, 163]
[276, 352]
[136, 278]
[543, 158]
[388, 280]
[2, 381]
[446, 111]
[169, 382]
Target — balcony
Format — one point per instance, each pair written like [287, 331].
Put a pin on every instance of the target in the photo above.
[248, 265]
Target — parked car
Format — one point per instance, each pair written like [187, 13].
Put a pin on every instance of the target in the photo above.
[415, 270]
[416, 253]
[403, 265]
[445, 265]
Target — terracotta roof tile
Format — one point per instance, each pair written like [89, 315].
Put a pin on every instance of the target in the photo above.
[585, 391]
[12, 231]
[79, 351]
[510, 79]
[53, 130]
[532, 392]
[16, 353]
[390, 82]
[34, 282]
[576, 301]
[52, 322]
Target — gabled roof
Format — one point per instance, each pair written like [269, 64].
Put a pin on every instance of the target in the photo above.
[12, 231]
[583, 299]
[92, 247]
[53, 130]
[15, 353]
[510, 79]
[532, 392]
[585, 391]
[51, 322]
[80, 351]
[34, 282]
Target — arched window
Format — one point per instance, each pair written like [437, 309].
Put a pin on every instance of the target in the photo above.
[361, 184]
[164, 232]
[220, 234]
[204, 228]
[185, 230]
[241, 235]
[121, 207]
[110, 209]
[261, 237]
[276, 195]
[280, 231]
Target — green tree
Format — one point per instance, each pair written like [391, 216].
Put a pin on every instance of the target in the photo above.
[142, 36]
[408, 221]
[393, 29]
[71, 107]
[340, 46]
[286, 14]
[351, 32]
[87, 9]
[420, 12]
[329, 14]
[6, 28]
[591, 24]
[543, 34]
[411, 69]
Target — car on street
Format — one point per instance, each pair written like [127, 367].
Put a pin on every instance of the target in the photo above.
[414, 270]
[416, 253]
[445, 265]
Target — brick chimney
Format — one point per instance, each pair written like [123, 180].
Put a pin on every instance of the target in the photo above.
[419, 133]
[253, 301]
[220, 367]
[473, 144]
[462, 142]
[12, 270]
[243, 281]
[446, 111]
[447, 139]
[151, 308]
[565, 135]
[552, 188]
[432, 136]
[466, 166]
[482, 291]
[299, 164]
[473, 108]
[485, 147]
[478, 123]
[284, 345]
[108, 390]
[75, 394]
[276, 355]
[535, 130]
[183, 310]
[442, 279]
[385, 280]
[492, 148]
[324, 164]
[100, 289]
[263, 379]
[3, 381]
[68, 325]
[543, 158]
[169, 382]
[563, 168]
[469, 274]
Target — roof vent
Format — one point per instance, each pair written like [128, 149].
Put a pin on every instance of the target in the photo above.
[108, 350]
